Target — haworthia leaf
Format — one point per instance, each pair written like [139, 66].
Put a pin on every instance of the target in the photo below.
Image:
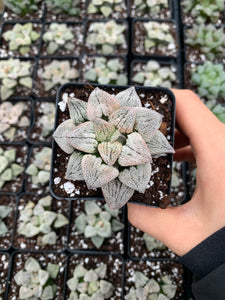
[147, 122]
[136, 177]
[110, 152]
[91, 207]
[159, 144]
[103, 129]
[91, 275]
[116, 194]
[169, 290]
[60, 135]
[135, 152]
[129, 97]
[83, 138]
[123, 119]
[153, 286]
[96, 174]
[117, 225]
[140, 279]
[74, 171]
[97, 241]
[101, 270]
[77, 110]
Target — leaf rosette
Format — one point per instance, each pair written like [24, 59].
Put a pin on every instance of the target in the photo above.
[112, 140]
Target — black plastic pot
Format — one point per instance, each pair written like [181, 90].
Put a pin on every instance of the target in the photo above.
[5, 269]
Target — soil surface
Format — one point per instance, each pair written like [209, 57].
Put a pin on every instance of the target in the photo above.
[4, 267]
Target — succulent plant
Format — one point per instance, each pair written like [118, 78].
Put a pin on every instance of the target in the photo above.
[98, 223]
[204, 11]
[22, 7]
[152, 8]
[12, 118]
[21, 37]
[152, 243]
[39, 220]
[90, 284]
[207, 40]
[58, 36]
[111, 140]
[105, 7]
[106, 72]
[48, 118]
[69, 7]
[210, 80]
[57, 73]
[4, 212]
[154, 75]
[151, 289]
[9, 169]
[13, 73]
[105, 37]
[35, 282]
[218, 110]
[157, 34]
[39, 169]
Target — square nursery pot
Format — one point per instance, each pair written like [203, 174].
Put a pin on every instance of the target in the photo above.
[9, 15]
[4, 269]
[157, 182]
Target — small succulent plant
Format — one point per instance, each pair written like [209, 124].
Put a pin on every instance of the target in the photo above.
[106, 37]
[105, 7]
[48, 118]
[35, 282]
[152, 8]
[152, 243]
[57, 73]
[90, 284]
[14, 73]
[9, 169]
[21, 37]
[12, 118]
[207, 40]
[218, 110]
[69, 7]
[58, 36]
[204, 11]
[98, 223]
[157, 34]
[154, 75]
[106, 72]
[4, 212]
[111, 140]
[151, 289]
[39, 169]
[210, 80]
[39, 220]
[22, 7]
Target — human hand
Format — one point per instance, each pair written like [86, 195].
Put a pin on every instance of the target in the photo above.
[199, 138]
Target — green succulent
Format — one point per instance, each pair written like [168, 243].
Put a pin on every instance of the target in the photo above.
[47, 120]
[58, 36]
[204, 11]
[106, 37]
[21, 37]
[37, 283]
[4, 212]
[207, 39]
[151, 289]
[22, 7]
[152, 8]
[38, 220]
[155, 75]
[9, 169]
[39, 170]
[70, 7]
[157, 34]
[90, 284]
[210, 80]
[14, 73]
[151, 243]
[106, 72]
[105, 7]
[98, 223]
[57, 73]
[218, 110]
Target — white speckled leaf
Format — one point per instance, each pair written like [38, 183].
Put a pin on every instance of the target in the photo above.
[96, 174]
[60, 135]
[129, 97]
[77, 110]
[123, 119]
[110, 152]
[136, 177]
[140, 279]
[169, 290]
[159, 144]
[147, 122]
[83, 138]
[74, 170]
[103, 129]
[135, 152]
[101, 103]
[116, 194]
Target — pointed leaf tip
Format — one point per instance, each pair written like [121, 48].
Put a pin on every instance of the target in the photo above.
[129, 97]
[123, 119]
[159, 144]
[110, 152]
[74, 171]
[60, 135]
[77, 110]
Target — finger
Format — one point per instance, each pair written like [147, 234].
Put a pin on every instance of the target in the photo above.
[180, 140]
[184, 154]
